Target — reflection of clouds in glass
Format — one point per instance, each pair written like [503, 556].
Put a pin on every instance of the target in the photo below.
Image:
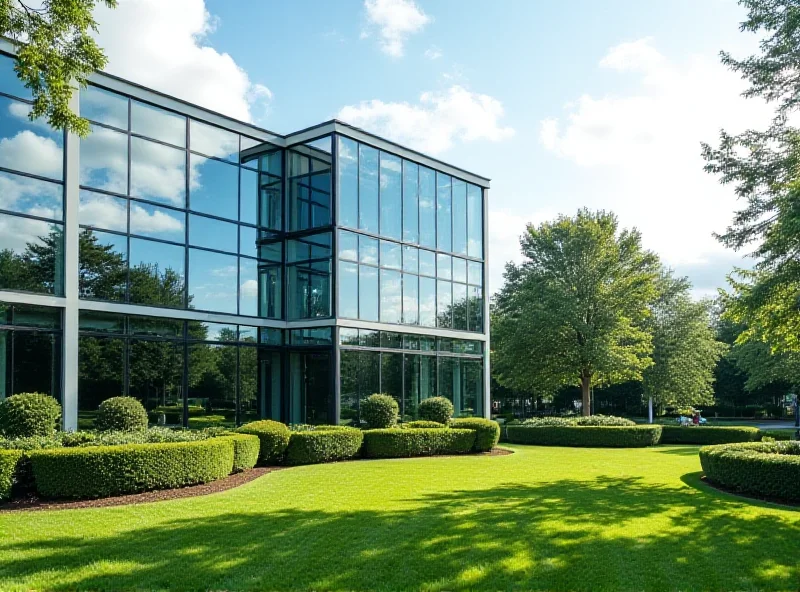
[250, 288]
[17, 233]
[391, 297]
[26, 195]
[223, 272]
[158, 172]
[104, 107]
[102, 211]
[31, 153]
[213, 141]
[158, 124]
[351, 254]
[155, 222]
[212, 281]
[104, 160]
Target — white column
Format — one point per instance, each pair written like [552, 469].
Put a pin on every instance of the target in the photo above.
[487, 375]
[69, 362]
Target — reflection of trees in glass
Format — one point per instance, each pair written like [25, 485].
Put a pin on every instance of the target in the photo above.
[101, 368]
[39, 268]
[464, 315]
[156, 376]
[101, 273]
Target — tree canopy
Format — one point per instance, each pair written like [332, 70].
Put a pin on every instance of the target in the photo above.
[56, 54]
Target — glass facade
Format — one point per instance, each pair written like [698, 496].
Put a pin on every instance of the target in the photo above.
[217, 264]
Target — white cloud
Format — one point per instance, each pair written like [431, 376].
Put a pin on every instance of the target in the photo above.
[249, 288]
[433, 53]
[162, 45]
[29, 152]
[395, 21]
[144, 222]
[434, 123]
[638, 153]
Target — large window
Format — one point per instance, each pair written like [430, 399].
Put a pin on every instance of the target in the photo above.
[169, 215]
[30, 350]
[309, 181]
[308, 275]
[410, 368]
[183, 372]
[31, 195]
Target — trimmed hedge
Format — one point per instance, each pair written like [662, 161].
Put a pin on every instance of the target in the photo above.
[8, 465]
[778, 434]
[423, 423]
[103, 471]
[246, 448]
[590, 436]
[487, 432]
[436, 409]
[323, 445]
[397, 442]
[29, 414]
[380, 411]
[708, 435]
[274, 438]
[769, 469]
[124, 414]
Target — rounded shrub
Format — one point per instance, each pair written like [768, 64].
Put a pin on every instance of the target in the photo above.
[436, 409]
[423, 423]
[323, 445]
[604, 420]
[487, 432]
[709, 435]
[103, 471]
[548, 421]
[29, 414]
[379, 411]
[122, 414]
[590, 436]
[274, 437]
[245, 451]
[398, 443]
[9, 459]
[766, 469]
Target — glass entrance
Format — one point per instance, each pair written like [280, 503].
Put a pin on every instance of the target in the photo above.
[310, 395]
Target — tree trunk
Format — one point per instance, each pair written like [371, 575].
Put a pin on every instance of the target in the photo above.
[586, 382]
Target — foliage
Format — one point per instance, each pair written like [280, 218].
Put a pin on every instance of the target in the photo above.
[124, 414]
[274, 438]
[323, 445]
[591, 436]
[592, 420]
[397, 443]
[245, 451]
[31, 442]
[780, 435]
[770, 469]
[29, 414]
[763, 368]
[708, 434]
[550, 421]
[9, 459]
[573, 311]
[685, 348]
[56, 51]
[380, 411]
[423, 423]
[102, 471]
[487, 432]
[436, 409]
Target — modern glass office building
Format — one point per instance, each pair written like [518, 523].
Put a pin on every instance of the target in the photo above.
[221, 273]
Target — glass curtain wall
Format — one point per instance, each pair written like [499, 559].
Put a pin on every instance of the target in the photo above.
[30, 350]
[413, 245]
[410, 368]
[31, 193]
[184, 372]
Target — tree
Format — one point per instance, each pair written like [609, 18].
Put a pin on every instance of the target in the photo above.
[762, 166]
[685, 348]
[574, 311]
[57, 52]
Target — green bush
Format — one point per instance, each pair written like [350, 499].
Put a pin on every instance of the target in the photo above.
[29, 414]
[548, 421]
[604, 420]
[31, 442]
[323, 445]
[8, 467]
[769, 469]
[71, 439]
[708, 435]
[780, 435]
[423, 423]
[245, 451]
[591, 436]
[122, 414]
[436, 409]
[487, 432]
[380, 411]
[274, 438]
[396, 442]
[102, 471]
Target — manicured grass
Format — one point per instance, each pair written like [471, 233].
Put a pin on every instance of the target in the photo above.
[543, 518]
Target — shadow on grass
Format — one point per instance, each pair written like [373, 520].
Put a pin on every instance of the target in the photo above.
[680, 449]
[608, 533]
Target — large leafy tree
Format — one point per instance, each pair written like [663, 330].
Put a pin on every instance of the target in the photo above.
[56, 55]
[685, 348]
[574, 311]
[762, 166]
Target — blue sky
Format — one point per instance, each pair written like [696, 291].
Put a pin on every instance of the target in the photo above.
[562, 104]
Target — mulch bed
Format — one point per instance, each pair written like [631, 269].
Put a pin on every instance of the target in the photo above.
[34, 503]
[758, 498]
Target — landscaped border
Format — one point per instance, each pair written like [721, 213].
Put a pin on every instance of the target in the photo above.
[587, 436]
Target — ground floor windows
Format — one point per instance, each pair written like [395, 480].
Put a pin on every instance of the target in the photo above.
[310, 392]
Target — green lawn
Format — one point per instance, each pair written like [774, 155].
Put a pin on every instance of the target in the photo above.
[543, 518]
